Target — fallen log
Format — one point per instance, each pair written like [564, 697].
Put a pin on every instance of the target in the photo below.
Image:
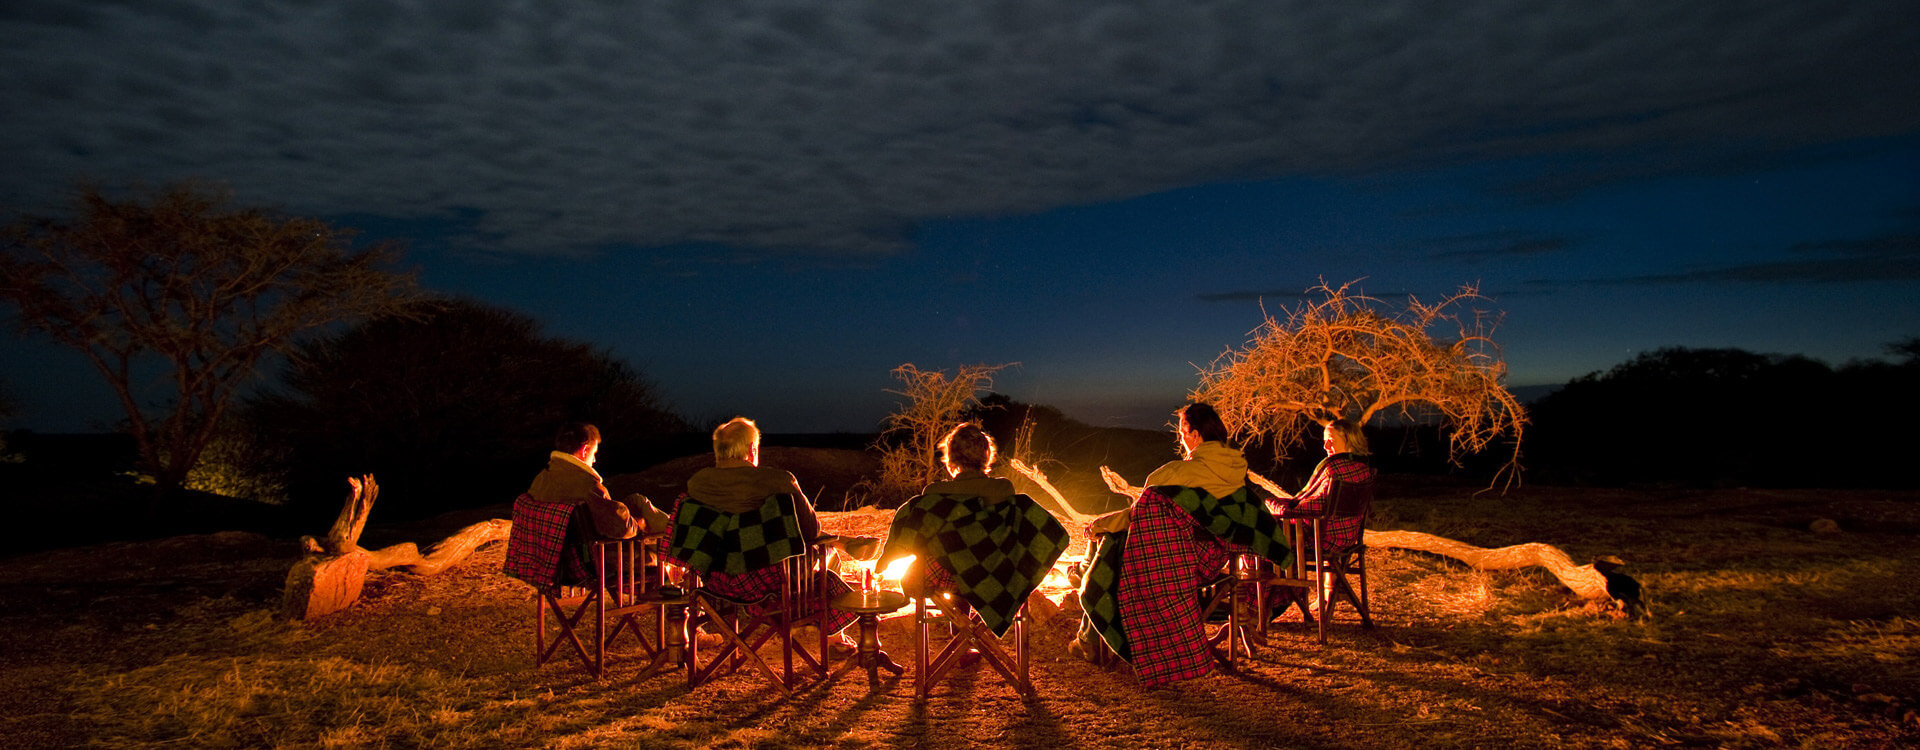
[1585, 581]
[332, 574]
[1075, 519]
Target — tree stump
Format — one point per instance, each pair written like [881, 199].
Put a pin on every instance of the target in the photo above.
[334, 571]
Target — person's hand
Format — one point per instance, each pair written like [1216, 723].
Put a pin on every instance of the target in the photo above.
[1118, 485]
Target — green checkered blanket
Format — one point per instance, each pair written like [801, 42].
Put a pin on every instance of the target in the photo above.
[1159, 560]
[709, 540]
[997, 552]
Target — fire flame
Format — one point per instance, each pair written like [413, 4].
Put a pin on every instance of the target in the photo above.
[897, 568]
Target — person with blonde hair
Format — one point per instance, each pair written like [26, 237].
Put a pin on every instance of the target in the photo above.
[1347, 461]
[737, 483]
[737, 487]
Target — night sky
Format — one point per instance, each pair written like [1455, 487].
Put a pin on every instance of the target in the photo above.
[766, 206]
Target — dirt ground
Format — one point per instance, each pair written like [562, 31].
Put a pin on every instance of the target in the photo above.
[1766, 634]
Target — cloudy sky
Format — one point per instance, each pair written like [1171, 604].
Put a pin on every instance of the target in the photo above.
[768, 205]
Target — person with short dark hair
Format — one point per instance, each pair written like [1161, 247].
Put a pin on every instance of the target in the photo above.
[1207, 462]
[571, 478]
[1140, 593]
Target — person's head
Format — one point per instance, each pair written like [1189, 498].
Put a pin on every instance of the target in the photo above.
[1198, 423]
[579, 439]
[738, 439]
[1343, 436]
[966, 446]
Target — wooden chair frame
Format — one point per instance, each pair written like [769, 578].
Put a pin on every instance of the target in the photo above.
[1327, 572]
[624, 574]
[966, 629]
[743, 636]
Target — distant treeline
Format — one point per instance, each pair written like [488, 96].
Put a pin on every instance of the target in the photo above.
[1670, 417]
[454, 404]
[1727, 417]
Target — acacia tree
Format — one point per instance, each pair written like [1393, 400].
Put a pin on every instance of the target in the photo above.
[910, 446]
[176, 287]
[1349, 355]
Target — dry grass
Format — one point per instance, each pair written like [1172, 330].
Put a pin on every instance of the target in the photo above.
[1765, 635]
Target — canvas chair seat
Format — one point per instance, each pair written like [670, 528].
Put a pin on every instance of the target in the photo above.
[574, 572]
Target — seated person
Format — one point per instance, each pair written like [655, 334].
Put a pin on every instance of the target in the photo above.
[550, 541]
[1346, 461]
[1017, 544]
[1182, 529]
[570, 478]
[736, 484]
[1206, 462]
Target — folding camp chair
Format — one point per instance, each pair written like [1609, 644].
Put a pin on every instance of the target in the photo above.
[751, 579]
[969, 635]
[981, 560]
[745, 624]
[573, 572]
[1329, 573]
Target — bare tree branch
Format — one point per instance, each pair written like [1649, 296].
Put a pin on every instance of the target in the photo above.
[1353, 356]
[178, 278]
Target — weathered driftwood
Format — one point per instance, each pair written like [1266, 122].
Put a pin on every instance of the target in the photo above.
[330, 577]
[1584, 580]
[1075, 518]
[446, 554]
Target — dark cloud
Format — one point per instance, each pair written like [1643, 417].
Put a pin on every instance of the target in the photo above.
[833, 128]
[1252, 296]
[1893, 257]
[1486, 246]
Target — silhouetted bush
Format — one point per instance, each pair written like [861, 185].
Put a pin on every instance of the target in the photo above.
[1726, 417]
[452, 406]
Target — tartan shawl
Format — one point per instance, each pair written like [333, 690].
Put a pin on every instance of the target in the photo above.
[547, 545]
[1140, 594]
[995, 552]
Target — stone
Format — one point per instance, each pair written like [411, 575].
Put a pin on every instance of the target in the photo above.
[1825, 526]
[319, 586]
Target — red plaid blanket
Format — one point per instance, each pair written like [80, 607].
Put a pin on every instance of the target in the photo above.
[545, 546]
[1168, 557]
[1339, 533]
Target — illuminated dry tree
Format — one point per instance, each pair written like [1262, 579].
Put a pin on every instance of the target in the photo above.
[910, 447]
[1349, 355]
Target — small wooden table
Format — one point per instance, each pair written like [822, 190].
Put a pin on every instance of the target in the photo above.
[870, 605]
